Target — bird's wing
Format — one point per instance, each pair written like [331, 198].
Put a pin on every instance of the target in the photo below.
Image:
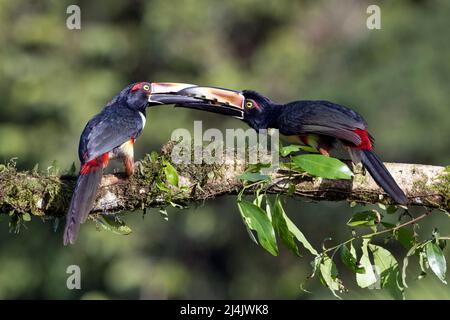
[321, 117]
[108, 130]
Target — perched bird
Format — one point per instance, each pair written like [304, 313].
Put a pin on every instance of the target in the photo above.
[111, 134]
[319, 124]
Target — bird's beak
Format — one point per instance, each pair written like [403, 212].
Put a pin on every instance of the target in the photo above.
[212, 99]
[167, 93]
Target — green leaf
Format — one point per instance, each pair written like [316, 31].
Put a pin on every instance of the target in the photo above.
[364, 218]
[348, 257]
[391, 209]
[170, 173]
[285, 151]
[253, 177]
[257, 220]
[258, 202]
[410, 252]
[114, 224]
[281, 228]
[26, 217]
[329, 276]
[436, 260]
[322, 166]
[406, 237]
[389, 271]
[257, 167]
[423, 264]
[280, 218]
[161, 186]
[367, 278]
[300, 236]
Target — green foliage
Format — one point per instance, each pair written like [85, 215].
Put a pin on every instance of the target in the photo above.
[113, 224]
[256, 219]
[329, 275]
[376, 268]
[253, 177]
[348, 257]
[436, 260]
[387, 270]
[322, 166]
[170, 173]
[287, 150]
[364, 218]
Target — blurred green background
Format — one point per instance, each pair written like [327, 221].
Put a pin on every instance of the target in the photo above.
[53, 80]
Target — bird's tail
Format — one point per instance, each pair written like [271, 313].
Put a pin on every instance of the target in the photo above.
[379, 173]
[82, 200]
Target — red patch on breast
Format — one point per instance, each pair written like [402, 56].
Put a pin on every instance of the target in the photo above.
[365, 144]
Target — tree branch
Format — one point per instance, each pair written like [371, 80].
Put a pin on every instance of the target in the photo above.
[49, 195]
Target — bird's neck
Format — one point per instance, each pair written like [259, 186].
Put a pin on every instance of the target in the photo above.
[266, 119]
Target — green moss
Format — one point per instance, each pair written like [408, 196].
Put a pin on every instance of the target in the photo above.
[443, 187]
[361, 179]
[25, 193]
[419, 186]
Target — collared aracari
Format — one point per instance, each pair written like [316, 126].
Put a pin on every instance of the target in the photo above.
[319, 124]
[111, 134]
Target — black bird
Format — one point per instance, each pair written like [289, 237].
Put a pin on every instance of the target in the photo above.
[111, 134]
[319, 124]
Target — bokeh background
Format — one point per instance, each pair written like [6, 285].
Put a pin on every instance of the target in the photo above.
[52, 80]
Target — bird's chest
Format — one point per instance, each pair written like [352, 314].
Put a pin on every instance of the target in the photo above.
[143, 119]
[124, 151]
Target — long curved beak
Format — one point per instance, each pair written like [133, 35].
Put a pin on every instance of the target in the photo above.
[167, 93]
[212, 99]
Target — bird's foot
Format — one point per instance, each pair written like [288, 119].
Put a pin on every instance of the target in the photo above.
[324, 152]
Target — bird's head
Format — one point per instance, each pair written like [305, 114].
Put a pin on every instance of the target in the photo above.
[140, 95]
[255, 104]
[137, 95]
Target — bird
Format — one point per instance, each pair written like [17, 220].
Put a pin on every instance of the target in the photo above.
[111, 134]
[317, 123]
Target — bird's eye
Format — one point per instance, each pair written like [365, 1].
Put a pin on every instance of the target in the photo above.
[146, 87]
[249, 104]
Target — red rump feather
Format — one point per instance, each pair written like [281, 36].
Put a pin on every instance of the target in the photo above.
[365, 144]
[94, 164]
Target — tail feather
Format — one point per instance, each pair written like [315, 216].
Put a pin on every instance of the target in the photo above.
[81, 204]
[380, 174]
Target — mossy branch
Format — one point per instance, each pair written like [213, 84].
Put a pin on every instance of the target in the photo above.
[24, 193]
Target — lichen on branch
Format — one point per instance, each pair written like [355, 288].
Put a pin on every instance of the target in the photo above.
[48, 194]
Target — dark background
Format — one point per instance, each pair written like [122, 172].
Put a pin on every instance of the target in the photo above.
[53, 80]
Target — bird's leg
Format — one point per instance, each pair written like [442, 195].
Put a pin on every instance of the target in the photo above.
[127, 155]
[128, 163]
[324, 151]
[324, 145]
